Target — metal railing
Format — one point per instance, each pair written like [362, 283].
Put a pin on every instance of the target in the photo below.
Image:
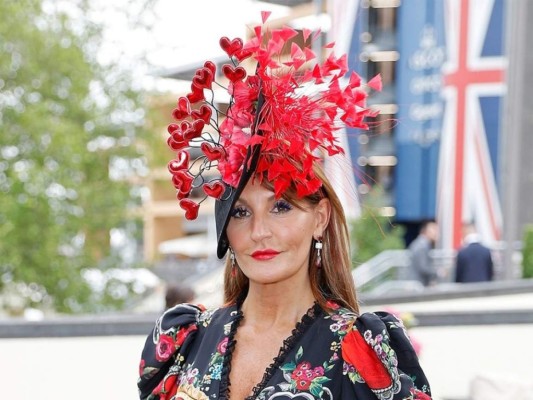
[388, 266]
[386, 272]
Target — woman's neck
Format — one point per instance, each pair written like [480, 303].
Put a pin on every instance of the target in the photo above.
[268, 306]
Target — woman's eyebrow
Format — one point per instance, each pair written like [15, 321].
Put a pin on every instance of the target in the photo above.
[240, 202]
[244, 202]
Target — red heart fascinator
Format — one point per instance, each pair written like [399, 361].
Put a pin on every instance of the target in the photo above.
[280, 120]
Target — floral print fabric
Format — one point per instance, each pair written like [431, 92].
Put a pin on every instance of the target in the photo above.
[328, 356]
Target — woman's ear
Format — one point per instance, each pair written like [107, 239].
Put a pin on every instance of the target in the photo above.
[322, 212]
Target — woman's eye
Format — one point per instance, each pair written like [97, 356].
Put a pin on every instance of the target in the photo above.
[239, 212]
[281, 206]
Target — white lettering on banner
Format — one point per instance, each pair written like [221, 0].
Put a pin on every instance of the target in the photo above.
[426, 84]
[429, 56]
[424, 137]
[424, 112]
[427, 61]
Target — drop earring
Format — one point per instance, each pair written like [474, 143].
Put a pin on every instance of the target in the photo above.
[318, 247]
[232, 258]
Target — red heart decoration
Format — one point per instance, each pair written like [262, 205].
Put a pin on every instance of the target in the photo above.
[198, 126]
[180, 162]
[196, 95]
[182, 195]
[212, 153]
[190, 207]
[204, 113]
[184, 126]
[233, 74]
[183, 110]
[194, 131]
[231, 46]
[182, 180]
[172, 127]
[177, 136]
[176, 145]
[203, 78]
[214, 189]
[210, 65]
[176, 181]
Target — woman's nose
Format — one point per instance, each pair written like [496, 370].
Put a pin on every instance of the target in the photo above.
[260, 228]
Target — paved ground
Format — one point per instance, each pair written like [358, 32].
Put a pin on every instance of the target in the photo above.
[70, 368]
[455, 357]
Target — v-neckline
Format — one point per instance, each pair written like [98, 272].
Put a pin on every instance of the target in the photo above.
[288, 344]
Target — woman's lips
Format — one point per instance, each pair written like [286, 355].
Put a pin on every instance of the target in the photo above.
[267, 254]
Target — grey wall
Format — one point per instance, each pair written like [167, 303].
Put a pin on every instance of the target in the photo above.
[517, 138]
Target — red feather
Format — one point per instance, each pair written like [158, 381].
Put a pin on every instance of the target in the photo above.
[375, 83]
[265, 15]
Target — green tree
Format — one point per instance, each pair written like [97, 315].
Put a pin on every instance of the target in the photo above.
[69, 134]
[373, 233]
[527, 252]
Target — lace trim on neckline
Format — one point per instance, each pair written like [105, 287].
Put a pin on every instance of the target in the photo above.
[226, 364]
[288, 344]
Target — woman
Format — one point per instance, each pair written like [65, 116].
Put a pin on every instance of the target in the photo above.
[290, 327]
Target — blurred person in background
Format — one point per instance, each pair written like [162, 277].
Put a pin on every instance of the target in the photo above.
[290, 325]
[421, 266]
[474, 260]
[178, 294]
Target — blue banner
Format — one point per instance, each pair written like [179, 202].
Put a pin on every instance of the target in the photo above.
[421, 45]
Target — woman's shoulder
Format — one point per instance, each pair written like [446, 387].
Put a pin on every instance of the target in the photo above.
[193, 317]
[343, 320]
[171, 338]
[378, 351]
[180, 315]
[197, 312]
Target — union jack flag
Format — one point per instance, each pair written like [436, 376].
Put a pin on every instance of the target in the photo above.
[473, 89]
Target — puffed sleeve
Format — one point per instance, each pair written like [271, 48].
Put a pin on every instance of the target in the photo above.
[169, 341]
[378, 352]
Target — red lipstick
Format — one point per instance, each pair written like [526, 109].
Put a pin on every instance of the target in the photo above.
[265, 254]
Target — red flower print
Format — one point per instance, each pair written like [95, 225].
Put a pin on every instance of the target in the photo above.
[304, 374]
[169, 387]
[419, 395]
[183, 333]
[304, 365]
[222, 346]
[356, 351]
[164, 348]
[318, 371]
[303, 384]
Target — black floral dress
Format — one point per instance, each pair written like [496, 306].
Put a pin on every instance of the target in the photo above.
[328, 356]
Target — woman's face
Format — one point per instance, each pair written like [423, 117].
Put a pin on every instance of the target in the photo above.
[271, 237]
